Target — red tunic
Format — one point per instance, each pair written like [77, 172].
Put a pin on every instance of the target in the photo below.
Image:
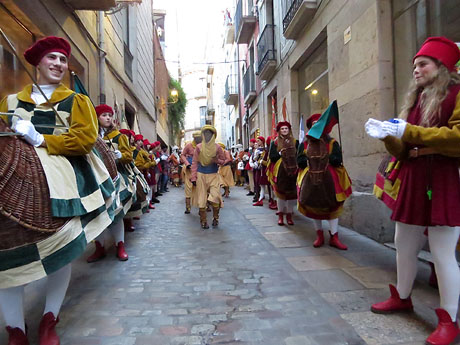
[412, 205]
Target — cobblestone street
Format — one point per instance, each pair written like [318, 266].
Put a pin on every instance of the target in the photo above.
[248, 282]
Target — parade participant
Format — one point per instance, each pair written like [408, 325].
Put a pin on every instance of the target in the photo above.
[143, 164]
[64, 151]
[426, 140]
[248, 168]
[283, 155]
[272, 204]
[323, 184]
[255, 164]
[126, 191]
[165, 165]
[149, 174]
[225, 172]
[156, 171]
[206, 160]
[174, 166]
[186, 158]
[260, 175]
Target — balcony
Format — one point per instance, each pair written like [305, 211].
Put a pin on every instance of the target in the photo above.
[92, 5]
[298, 14]
[266, 53]
[245, 22]
[231, 90]
[249, 85]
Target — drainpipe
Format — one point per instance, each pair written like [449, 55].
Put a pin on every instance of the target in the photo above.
[101, 43]
[240, 113]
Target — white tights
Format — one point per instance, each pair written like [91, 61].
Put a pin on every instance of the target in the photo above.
[116, 230]
[12, 299]
[409, 240]
[149, 195]
[333, 225]
[262, 192]
[286, 206]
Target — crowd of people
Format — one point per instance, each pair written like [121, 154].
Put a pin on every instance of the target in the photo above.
[87, 181]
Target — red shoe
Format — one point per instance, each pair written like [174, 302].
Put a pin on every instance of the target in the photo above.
[446, 332]
[259, 203]
[335, 242]
[46, 331]
[289, 219]
[128, 223]
[274, 205]
[319, 239]
[121, 253]
[151, 206]
[98, 254]
[16, 336]
[393, 304]
[280, 218]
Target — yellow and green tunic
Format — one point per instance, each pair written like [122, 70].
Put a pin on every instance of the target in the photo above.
[80, 187]
[141, 162]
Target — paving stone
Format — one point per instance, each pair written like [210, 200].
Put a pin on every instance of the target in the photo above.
[299, 340]
[325, 262]
[372, 277]
[331, 280]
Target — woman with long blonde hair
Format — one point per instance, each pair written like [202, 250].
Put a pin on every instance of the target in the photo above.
[426, 139]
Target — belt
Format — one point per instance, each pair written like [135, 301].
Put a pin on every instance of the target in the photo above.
[424, 151]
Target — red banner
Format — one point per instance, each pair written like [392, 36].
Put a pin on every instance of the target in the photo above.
[273, 134]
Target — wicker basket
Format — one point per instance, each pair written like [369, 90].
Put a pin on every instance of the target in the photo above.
[107, 157]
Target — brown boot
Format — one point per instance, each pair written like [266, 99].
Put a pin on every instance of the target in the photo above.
[215, 215]
[188, 206]
[203, 218]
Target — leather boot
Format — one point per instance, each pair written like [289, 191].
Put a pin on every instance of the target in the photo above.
[16, 336]
[289, 219]
[203, 219]
[215, 216]
[393, 304]
[335, 242]
[433, 280]
[280, 218]
[121, 253]
[319, 239]
[446, 332]
[128, 223]
[46, 331]
[227, 192]
[98, 254]
[275, 205]
[259, 203]
[188, 206]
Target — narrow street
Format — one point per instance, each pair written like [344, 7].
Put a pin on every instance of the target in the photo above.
[247, 282]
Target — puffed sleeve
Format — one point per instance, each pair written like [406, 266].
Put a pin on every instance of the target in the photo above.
[125, 149]
[220, 155]
[4, 109]
[82, 134]
[196, 157]
[274, 154]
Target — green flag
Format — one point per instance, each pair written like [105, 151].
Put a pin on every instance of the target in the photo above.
[78, 86]
[325, 123]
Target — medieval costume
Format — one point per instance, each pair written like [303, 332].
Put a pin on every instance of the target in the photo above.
[283, 155]
[248, 168]
[260, 173]
[142, 164]
[174, 166]
[75, 193]
[323, 183]
[272, 204]
[206, 160]
[225, 172]
[186, 159]
[426, 142]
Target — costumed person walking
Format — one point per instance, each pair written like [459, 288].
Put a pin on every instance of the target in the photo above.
[186, 158]
[225, 172]
[70, 188]
[118, 144]
[283, 155]
[260, 173]
[248, 168]
[174, 166]
[272, 204]
[206, 160]
[323, 183]
[426, 141]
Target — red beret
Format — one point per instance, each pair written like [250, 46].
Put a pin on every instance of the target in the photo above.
[103, 108]
[132, 133]
[125, 132]
[312, 119]
[261, 138]
[441, 49]
[46, 45]
[281, 124]
[146, 142]
[138, 137]
[252, 140]
[157, 143]
[269, 140]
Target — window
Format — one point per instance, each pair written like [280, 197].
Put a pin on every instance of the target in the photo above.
[202, 116]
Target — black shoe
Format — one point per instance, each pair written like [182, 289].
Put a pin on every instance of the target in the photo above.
[215, 223]
[250, 193]
[155, 201]
[158, 194]
[166, 190]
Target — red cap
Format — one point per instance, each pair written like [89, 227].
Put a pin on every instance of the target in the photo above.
[103, 108]
[311, 119]
[281, 124]
[269, 140]
[252, 140]
[157, 143]
[146, 142]
[46, 45]
[125, 132]
[138, 137]
[442, 49]
[261, 138]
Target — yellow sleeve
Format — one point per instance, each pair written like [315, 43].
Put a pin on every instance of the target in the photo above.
[140, 161]
[125, 149]
[82, 134]
[445, 140]
[396, 147]
[4, 109]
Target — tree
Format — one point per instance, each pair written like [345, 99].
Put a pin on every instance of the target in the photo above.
[176, 109]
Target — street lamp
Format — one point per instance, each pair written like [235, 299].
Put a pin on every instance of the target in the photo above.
[174, 95]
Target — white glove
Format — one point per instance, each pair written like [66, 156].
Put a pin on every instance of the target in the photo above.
[256, 165]
[117, 154]
[157, 160]
[27, 130]
[164, 157]
[374, 129]
[395, 129]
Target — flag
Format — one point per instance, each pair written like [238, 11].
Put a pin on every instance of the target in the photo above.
[78, 85]
[327, 120]
[273, 134]
[301, 129]
[284, 109]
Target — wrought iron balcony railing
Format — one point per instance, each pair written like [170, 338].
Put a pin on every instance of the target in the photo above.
[266, 46]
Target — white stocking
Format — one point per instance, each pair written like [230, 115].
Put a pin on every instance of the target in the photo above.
[282, 207]
[318, 224]
[12, 306]
[149, 195]
[290, 205]
[56, 288]
[409, 240]
[443, 240]
[333, 225]
[117, 231]
[262, 192]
